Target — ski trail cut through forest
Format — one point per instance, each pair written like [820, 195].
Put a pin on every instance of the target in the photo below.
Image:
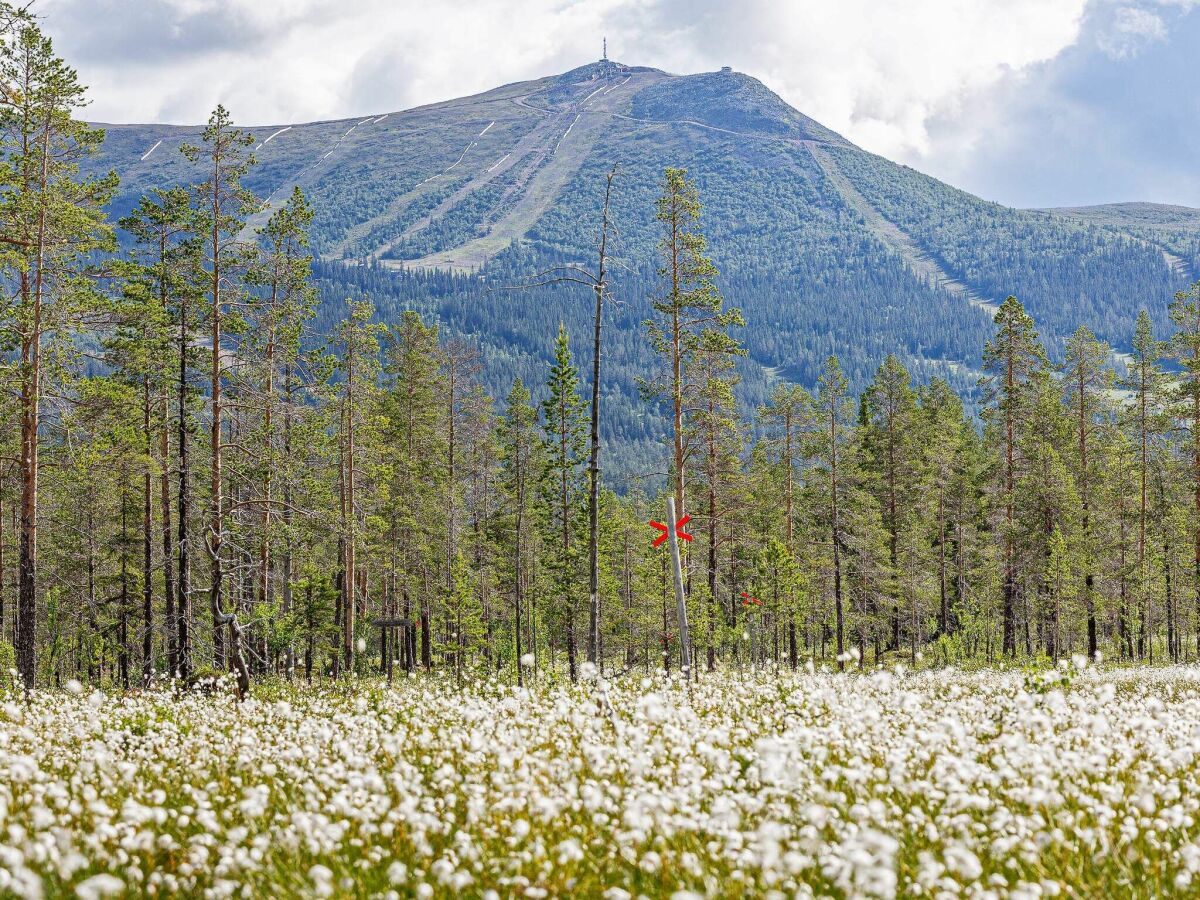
[146, 155]
[531, 143]
[1177, 263]
[578, 127]
[397, 206]
[295, 179]
[273, 135]
[893, 237]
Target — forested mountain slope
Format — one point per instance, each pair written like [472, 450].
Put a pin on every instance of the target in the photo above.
[826, 248]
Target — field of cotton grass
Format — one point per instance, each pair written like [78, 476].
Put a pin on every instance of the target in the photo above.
[1072, 783]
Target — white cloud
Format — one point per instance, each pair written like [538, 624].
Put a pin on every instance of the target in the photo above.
[880, 72]
[895, 76]
[1131, 29]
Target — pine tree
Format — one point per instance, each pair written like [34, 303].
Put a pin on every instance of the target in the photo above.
[221, 205]
[789, 415]
[1049, 502]
[715, 430]
[690, 320]
[944, 433]
[1185, 313]
[480, 462]
[162, 269]
[1013, 357]
[282, 275]
[459, 366]
[1145, 379]
[52, 220]
[357, 344]
[1087, 383]
[833, 419]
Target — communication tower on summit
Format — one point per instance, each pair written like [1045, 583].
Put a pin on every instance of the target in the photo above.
[604, 55]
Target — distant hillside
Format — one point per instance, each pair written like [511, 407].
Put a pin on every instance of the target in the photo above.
[826, 247]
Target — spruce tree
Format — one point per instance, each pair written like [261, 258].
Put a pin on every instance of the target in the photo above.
[564, 436]
[889, 441]
[519, 470]
[417, 455]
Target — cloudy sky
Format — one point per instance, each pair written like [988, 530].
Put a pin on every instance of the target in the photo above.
[1028, 102]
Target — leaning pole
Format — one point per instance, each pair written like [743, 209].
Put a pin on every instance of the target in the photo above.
[685, 643]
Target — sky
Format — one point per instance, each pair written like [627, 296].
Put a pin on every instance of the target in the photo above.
[1026, 102]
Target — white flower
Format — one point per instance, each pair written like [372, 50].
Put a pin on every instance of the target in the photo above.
[362, 645]
[102, 885]
[528, 660]
[963, 862]
[74, 687]
[569, 851]
[651, 862]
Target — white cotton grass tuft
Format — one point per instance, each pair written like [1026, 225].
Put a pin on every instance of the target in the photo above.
[99, 886]
[804, 783]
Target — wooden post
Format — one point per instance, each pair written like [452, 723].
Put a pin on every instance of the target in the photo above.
[685, 645]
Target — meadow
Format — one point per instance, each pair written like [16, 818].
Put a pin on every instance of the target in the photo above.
[1072, 782]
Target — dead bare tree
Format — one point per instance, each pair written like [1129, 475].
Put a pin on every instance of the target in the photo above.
[597, 281]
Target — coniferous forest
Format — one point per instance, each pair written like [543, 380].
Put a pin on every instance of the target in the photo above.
[197, 482]
[315, 584]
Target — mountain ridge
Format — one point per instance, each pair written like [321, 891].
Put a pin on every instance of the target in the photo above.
[827, 248]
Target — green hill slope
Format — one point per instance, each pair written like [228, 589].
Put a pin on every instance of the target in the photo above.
[826, 247]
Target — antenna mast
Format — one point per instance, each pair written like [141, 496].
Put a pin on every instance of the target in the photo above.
[604, 55]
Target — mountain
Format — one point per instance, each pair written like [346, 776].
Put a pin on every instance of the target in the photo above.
[826, 247]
